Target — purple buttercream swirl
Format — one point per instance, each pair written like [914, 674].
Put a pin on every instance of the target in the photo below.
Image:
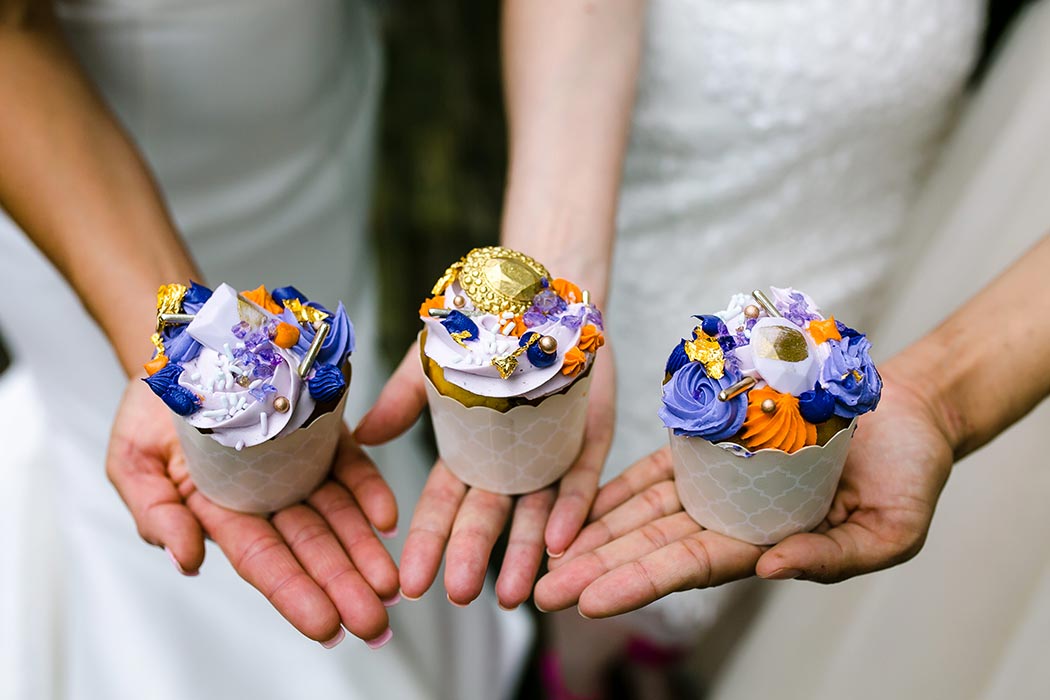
[691, 406]
[850, 376]
[338, 344]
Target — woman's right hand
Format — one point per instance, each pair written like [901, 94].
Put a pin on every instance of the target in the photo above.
[319, 562]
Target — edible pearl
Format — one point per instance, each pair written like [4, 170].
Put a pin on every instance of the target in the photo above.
[769, 406]
[751, 311]
[548, 344]
[281, 405]
[459, 301]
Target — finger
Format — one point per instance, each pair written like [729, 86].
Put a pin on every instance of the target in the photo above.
[357, 473]
[161, 517]
[840, 553]
[398, 405]
[635, 479]
[656, 502]
[339, 509]
[261, 557]
[562, 588]
[315, 546]
[700, 560]
[524, 548]
[429, 530]
[578, 487]
[479, 523]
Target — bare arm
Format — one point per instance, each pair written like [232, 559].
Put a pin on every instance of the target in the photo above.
[74, 182]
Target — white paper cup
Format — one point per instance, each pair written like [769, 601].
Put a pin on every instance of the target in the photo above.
[513, 452]
[761, 498]
[265, 477]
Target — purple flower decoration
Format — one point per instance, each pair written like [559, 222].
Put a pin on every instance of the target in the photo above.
[850, 376]
[691, 406]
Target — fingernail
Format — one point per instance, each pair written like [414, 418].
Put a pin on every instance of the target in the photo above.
[504, 607]
[381, 640]
[388, 534]
[334, 641]
[178, 566]
[552, 555]
[392, 600]
[784, 574]
[537, 606]
[583, 615]
[458, 605]
[410, 598]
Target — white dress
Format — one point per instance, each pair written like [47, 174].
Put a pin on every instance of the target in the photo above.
[775, 142]
[258, 117]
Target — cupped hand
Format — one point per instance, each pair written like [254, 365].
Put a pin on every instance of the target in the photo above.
[463, 523]
[641, 545]
[318, 562]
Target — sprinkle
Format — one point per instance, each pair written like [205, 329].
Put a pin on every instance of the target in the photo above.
[506, 315]
[229, 353]
[240, 345]
[263, 417]
[239, 446]
[195, 376]
[214, 413]
[241, 404]
[255, 384]
[507, 328]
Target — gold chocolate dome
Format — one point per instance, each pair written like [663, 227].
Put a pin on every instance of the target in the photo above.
[497, 279]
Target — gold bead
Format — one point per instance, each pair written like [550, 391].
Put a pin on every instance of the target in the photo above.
[459, 301]
[548, 344]
[281, 404]
[769, 406]
[751, 311]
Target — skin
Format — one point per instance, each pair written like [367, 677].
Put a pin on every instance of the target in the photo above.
[319, 563]
[565, 64]
[641, 545]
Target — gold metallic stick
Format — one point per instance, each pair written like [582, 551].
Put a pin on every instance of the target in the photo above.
[586, 297]
[315, 347]
[737, 389]
[176, 319]
[766, 303]
[439, 313]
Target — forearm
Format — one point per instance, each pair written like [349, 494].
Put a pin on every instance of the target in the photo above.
[988, 365]
[74, 182]
[570, 68]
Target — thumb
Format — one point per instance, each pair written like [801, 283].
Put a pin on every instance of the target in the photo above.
[398, 405]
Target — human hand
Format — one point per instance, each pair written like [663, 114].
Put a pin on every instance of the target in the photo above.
[464, 522]
[641, 545]
[319, 562]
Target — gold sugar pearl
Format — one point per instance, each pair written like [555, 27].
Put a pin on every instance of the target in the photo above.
[548, 344]
[751, 311]
[459, 301]
[769, 406]
[281, 404]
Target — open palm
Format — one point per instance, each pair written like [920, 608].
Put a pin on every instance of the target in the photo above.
[641, 545]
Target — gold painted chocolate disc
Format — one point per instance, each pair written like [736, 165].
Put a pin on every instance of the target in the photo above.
[499, 279]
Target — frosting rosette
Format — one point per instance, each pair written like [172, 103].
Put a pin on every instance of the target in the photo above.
[850, 376]
[691, 406]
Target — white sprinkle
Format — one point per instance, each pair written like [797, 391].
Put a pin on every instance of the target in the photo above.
[256, 383]
[237, 370]
[214, 413]
[239, 346]
[263, 417]
[239, 446]
[507, 329]
[241, 403]
[195, 376]
[506, 315]
[229, 353]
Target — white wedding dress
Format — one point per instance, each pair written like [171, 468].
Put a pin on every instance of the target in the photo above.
[258, 117]
[775, 142]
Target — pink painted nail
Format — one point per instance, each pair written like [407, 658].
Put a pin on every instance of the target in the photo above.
[334, 641]
[381, 640]
[178, 566]
[392, 600]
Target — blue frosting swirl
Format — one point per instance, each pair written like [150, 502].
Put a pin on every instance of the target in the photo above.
[691, 406]
[327, 384]
[850, 376]
[165, 384]
[179, 346]
[282, 294]
[340, 340]
[195, 297]
[457, 322]
[677, 360]
[816, 405]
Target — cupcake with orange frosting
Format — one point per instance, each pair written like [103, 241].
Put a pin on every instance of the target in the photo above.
[507, 350]
[761, 405]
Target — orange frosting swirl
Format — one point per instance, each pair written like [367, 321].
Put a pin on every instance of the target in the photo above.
[783, 429]
[574, 362]
[262, 298]
[435, 302]
[567, 291]
[590, 338]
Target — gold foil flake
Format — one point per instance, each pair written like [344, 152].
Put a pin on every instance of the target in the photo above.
[169, 298]
[508, 363]
[446, 279]
[304, 314]
[706, 350]
[780, 343]
[499, 280]
[461, 336]
[158, 343]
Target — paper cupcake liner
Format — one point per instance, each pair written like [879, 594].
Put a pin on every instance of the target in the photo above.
[758, 497]
[512, 452]
[265, 477]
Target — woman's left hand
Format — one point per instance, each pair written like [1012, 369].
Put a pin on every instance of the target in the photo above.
[463, 523]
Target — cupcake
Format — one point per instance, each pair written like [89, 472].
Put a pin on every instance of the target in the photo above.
[257, 382]
[507, 351]
[761, 404]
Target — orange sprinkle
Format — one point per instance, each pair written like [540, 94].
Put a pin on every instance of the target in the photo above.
[286, 335]
[591, 338]
[574, 362]
[156, 364]
[783, 429]
[824, 330]
[261, 297]
[435, 302]
[567, 291]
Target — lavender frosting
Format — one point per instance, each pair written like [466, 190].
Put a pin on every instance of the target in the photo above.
[850, 376]
[337, 345]
[691, 407]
